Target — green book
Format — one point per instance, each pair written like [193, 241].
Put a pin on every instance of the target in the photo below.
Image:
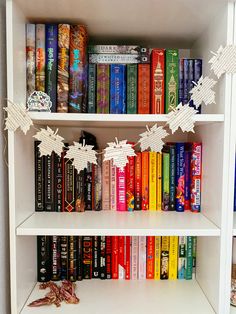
[189, 258]
[172, 79]
[194, 256]
[132, 80]
[166, 178]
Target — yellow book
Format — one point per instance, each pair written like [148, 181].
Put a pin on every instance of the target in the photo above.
[157, 265]
[173, 257]
[159, 181]
[152, 180]
[165, 249]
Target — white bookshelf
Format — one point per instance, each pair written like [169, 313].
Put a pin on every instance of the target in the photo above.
[204, 28]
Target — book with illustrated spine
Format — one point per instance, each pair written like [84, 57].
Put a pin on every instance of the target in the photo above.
[144, 88]
[166, 178]
[196, 176]
[103, 92]
[165, 248]
[130, 177]
[182, 257]
[138, 181]
[30, 58]
[113, 186]
[40, 58]
[44, 258]
[132, 83]
[157, 265]
[172, 78]
[39, 178]
[92, 74]
[114, 257]
[87, 256]
[172, 176]
[150, 257]
[180, 177]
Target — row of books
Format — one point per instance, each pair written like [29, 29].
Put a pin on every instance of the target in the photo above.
[116, 257]
[170, 180]
[107, 79]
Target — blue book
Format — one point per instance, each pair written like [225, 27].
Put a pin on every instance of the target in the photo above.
[186, 81]
[181, 80]
[51, 64]
[179, 204]
[190, 79]
[197, 75]
[118, 88]
[92, 88]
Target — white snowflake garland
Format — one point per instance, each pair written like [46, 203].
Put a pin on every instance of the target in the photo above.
[153, 138]
[202, 91]
[224, 61]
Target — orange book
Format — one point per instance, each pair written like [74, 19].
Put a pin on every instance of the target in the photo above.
[144, 88]
[145, 179]
[150, 257]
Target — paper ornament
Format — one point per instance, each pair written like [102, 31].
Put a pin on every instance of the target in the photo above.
[39, 101]
[181, 117]
[119, 151]
[50, 142]
[17, 117]
[81, 155]
[153, 138]
[224, 61]
[202, 91]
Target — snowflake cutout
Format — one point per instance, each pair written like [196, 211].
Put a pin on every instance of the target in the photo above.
[182, 117]
[202, 91]
[39, 101]
[153, 138]
[119, 151]
[224, 61]
[50, 142]
[82, 155]
[17, 117]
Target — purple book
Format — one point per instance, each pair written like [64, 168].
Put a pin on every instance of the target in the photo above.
[180, 178]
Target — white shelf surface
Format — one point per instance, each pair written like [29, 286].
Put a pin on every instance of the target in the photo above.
[118, 223]
[111, 120]
[232, 309]
[133, 297]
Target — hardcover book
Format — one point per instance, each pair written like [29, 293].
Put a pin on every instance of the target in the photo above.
[117, 88]
[103, 75]
[186, 81]
[40, 58]
[189, 257]
[49, 182]
[79, 191]
[121, 257]
[172, 76]
[88, 198]
[80, 258]
[132, 85]
[197, 75]
[113, 186]
[106, 58]
[172, 177]
[98, 184]
[116, 49]
[30, 58]
[187, 175]
[69, 186]
[181, 81]
[92, 75]
[127, 257]
[144, 88]
[166, 178]
[58, 183]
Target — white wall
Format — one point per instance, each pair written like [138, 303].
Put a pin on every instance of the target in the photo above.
[4, 243]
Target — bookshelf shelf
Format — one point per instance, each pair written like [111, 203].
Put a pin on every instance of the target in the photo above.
[118, 223]
[131, 297]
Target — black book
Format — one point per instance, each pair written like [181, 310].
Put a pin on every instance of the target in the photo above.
[49, 182]
[56, 258]
[44, 258]
[39, 178]
[72, 258]
[64, 257]
[87, 257]
[96, 256]
[58, 183]
[103, 258]
[79, 258]
[108, 257]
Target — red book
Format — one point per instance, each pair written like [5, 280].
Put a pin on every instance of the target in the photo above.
[130, 184]
[114, 257]
[144, 88]
[121, 189]
[150, 257]
[138, 181]
[121, 257]
[127, 257]
[145, 180]
[157, 81]
[108, 257]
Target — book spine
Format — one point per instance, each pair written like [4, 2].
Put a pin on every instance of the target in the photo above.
[30, 58]
[134, 257]
[121, 189]
[79, 191]
[159, 181]
[72, 258]
[157, 265]
[187, 176]
[191, 79]
[51, 64]
[131, 49]
[44, 258]
[165, 244]
[113, 186]
[145, 180]
[181, 82]
[69, 183]
[197, 75]
[77, 68]
[103, 81]
[96, 256]
[138, 181]
[166, 179]
[49, 182]
[172, 77]
[157, 81]
[152, 180]
[180, 186]
[117, 88]
[194, 257]
[173, 258]
[108, 257]
[39, 178]
[79, 258]
[196, 174]
[87, 257]
[88, 187]
[142, 257]
[127, 257]
[130, 176]
[186, 82]
[92, 88]
[40, 58]
[107, 58]
[98, 183]
[182, 257]
[106, 185]
[172, 177]
[56, 258]
[63, 67]
[132, 84]
[144, 88]
[58, 177]
[189, 258]
[103, 258]
[114, 257]
[64, 257]
[121, 257]
[150, 257]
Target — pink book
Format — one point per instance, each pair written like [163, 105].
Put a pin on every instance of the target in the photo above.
[121, 189]
[134, 257]
[106, 185]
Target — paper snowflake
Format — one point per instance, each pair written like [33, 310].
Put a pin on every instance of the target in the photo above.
[81, 155]
[50, 142]
[17, 117]
[153, 138]
[202, 91]
[39, 101]
[224, 61]
[181, 117]
[119, 151]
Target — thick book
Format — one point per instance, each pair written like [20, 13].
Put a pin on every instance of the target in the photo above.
[30, 59]
[128, 241]
[173, 258]
[49, 182]
[79, 258]
[114, 257]
[118, 88]
[103, 257]
[152, 181]
[197, 75]
[63, 67]
[132, 86]
[96, 257]
[51, 64]
[187, 175]
[72, 257]
[39, 178]
[180, 179]
[138, 181]
[157, 261]
[130, 177]
[77, 69]
[92, 77]
[126, 49]
[56, 258]
[40, 58]
[166, 178]
[44, 258]
[145, 180]
[159, 181]
[106, 58]
[134, 257]
[196, 176]
[165, 246]
[87, 256]
[144, 88]
[105, 185]
[121, 257]
[108, 251]
[103, 92]
[58, 183]
[64, 257]
[158, 81]
[181, 81]
[142, 257]
[150, 257]
[121, 189]
[182, 257]
[172, 77]
[172, 176]
[113, 186]
[189, 258]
